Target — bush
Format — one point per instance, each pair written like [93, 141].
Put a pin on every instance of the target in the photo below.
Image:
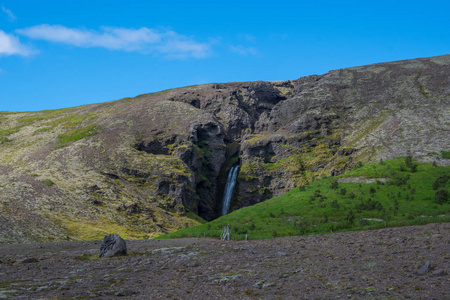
[334, 204]
[440, 182]
[441, 196]
[350, 218]
[334, 185]
[343, 191]
[411, 164]
[369, 204]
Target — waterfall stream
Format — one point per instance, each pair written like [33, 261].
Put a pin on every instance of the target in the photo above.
[229, 188]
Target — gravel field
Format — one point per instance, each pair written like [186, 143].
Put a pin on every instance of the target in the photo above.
[378, 264]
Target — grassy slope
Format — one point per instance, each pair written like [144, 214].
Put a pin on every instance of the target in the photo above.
[300, 212]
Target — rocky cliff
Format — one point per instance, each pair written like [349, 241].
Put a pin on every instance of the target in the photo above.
[153, 163]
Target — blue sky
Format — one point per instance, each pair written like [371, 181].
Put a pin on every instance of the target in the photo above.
[56, 54]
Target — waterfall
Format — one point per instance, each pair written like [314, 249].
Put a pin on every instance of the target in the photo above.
[229, 188]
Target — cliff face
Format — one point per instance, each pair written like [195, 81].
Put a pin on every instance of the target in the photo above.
[149, 164]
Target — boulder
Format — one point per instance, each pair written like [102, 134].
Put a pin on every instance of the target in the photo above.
[425, 268]
[113, 245]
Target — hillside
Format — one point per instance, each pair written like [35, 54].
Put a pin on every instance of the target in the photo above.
[151, 164]
[389, 193]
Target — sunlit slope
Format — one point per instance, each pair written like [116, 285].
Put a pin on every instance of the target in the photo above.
[391, 193]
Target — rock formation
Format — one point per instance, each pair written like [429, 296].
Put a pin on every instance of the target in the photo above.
[153, 163]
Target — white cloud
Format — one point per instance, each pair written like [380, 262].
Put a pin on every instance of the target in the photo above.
[11, 16]
[10, 45]
[168, 43]
[248, 37]
[241, 50]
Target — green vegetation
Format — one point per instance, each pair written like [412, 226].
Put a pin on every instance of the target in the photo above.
[48, 182]
[86, 229]
[76, 134]
[409, 197]
[77, 125]
[445, 154]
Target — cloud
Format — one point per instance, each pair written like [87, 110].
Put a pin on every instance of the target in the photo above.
[145, 40]
[241, 50]
[11, 16]
[248, 37]
[10, 45]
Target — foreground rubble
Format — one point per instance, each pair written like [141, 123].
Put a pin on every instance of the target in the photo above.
[378, 264]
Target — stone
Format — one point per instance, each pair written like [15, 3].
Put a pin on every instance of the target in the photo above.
[113, 245]
[425, 268]
[29, 260]
[439, 272]
[125, 293]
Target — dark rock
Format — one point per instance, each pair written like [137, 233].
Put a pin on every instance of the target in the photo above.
[425, 268]
[29, 260]
[125, 293]
[439, 272]
[345, 152]
[113, 245]
[95, 201]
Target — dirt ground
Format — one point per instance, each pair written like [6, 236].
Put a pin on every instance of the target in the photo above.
[379, 264]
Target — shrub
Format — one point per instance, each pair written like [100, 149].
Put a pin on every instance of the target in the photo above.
[343, 191]
[334, 185]
[369, 204]
[350, 218]
[302, 226]
[411, 164]
[440, 182]
[441, 196]
[334, 204]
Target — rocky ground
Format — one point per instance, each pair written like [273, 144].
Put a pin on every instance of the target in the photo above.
[379, 264]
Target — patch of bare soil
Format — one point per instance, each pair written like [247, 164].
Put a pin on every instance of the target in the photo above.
[379, 264]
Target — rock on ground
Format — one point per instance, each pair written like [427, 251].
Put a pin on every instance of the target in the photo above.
[113, 245]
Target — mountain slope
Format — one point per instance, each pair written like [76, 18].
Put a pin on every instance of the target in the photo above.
[149, 164]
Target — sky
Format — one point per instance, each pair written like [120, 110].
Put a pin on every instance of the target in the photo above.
[56, 54]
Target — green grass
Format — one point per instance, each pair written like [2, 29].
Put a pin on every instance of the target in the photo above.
[406, 199]
[76, 134]
[445, 154]
[48, 182]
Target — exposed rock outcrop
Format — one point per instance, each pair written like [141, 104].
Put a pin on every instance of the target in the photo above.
[149, 164]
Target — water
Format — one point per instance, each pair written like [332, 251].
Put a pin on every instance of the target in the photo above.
[229, 188]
